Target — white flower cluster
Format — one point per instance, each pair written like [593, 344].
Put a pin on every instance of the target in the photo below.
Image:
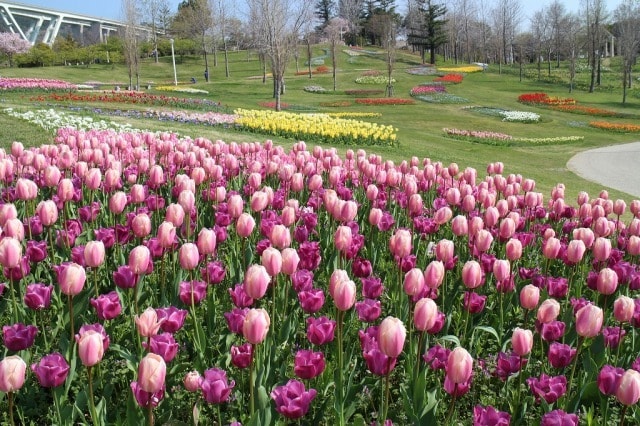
[315, 89]
[50, 119]
[520, 116]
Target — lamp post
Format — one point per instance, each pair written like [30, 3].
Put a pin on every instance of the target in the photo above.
[173, 59]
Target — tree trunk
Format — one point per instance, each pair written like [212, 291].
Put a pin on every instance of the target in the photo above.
[624, 82]
[334, 64]
[226, 59]
[309, 56]
[276, 88]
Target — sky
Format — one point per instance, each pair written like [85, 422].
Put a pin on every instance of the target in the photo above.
[111, 9]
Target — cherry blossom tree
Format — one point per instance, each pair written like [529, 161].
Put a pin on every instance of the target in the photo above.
[11, 44]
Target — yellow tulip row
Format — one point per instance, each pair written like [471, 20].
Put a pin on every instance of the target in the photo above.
[467, 69]
[316, 127]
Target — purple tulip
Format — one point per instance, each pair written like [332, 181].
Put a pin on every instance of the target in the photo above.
[292, 400]
[124, 277]
[474, 302]
[436, 357]
[192, 292]
[560, 355]
[377, 362]
[106, 340]
[438, 324]
[557, 287]
[19, 336]
[36, 251]
[144, 398]
[107, 306]
[241, 355]
[369, 310]
[309, 253]
[51, 370]
[214, 272]
[551, 331]
[361, 268]
[19, 272]
[239, 296]
[549, 388]
[235, 319]
[613, 336]
[308, 364]
[508, 364]
[215, 387]
[171, 318]
[372, 287]
[311, 300]
[38, 296]
[320, 330]
[559, 418]
[302, 280]
[164, 345]
[77, 255]
[456, 389]
[609, 379]
[489, 416]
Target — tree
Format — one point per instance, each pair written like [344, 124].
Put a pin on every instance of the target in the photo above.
[627, 32]
[11, 44]
[557, 16]
[324, 11]
[131, 17]
[390, 25]
[595, 16]
[278, 25]
[194, 20]
[506, 15]
[333, 30]
[153, 10]
[429, 31]
[351, 10]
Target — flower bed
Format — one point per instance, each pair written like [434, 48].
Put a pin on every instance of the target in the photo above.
[53, 120]
[315, 89]
[580, 109]
[322, 69]
[544, 99]
[374, 79]
[335, 104]
[467, 69]
[442, 98]
[126, 97]
[503, 139]
[427, 88]
[316, 127]
[520, 116]
[385, 101]
[245, 283]
[364, 92]
[181, 89]
[450, 78]
[354, 114]
[490, 111]
[615, 127]
[423, 70]
[8, 83]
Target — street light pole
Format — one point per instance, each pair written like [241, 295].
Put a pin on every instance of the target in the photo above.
[173, 59]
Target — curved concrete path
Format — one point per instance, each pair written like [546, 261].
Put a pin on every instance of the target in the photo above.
[616, 166]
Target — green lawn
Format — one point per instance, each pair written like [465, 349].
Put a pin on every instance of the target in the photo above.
[419, 126]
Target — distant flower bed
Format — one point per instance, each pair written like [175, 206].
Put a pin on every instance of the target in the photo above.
[468, 69]
[316, 127]
[363, 92]
[322, 69]
[520, 116]
[579, 109]
[450, 78]
[428, 88]
[181, 89]
[371, 73]
[208, 118]
[503, 139]
[123, 97]
[52, 120]
[442, 98]
[272, 104]
[490, 111]
[544, 99]
[374, 79]
[34, 84]
[354, 114]
[615, 127]
[335, 104]
[385, 101]
[423, 70]
[315, 89]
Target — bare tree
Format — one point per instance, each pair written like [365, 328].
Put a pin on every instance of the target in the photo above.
[223, 23]
[573, 39]
[152, 16]
[541, 34]
[595, 15]
[351, 11]
[278, 26]
[334, 30]
[557, 15]
[506, 15]
[131, 19]
[627, 30]
[390, 26]
[194, 21]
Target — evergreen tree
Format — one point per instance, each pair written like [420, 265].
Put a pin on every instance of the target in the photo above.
[428, 29]
[324, 11]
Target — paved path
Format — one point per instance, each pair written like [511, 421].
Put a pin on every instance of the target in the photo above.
[616, 166]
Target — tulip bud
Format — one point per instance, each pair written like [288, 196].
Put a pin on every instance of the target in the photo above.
[459, 365]
[256, 325]
[522, 341]
[391, 337]
[151, 373]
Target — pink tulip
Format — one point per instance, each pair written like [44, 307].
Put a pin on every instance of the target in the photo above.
[601, 249]
[434, 274]
[8, 211]
[117, 202]
[342, 238]
[47, 212]
[93, 178]
[271, 259]
[400, 243]
[460, 226]
[14, 228]
[280, 237]
[245, 225]
[344, 294]
[623, 309]
[192, 381]
[235, 206]
[589, 320]
[529, 296]
[147, 323]
[413, 281]
[375, 215]
[522, 341]
[151, 373]
[513, 249]
[139, 258]
[189, 256]
[548, 311]
[12, 373]
[51, 176]
[444, 250]
[71, 278]
[290, 261]
[141, 225]
[336, 276]
[174, 214]
[443, 215]
[65, 190]
[391, 337]
[206, 241]
[483, 240]
[425, 314]
[90, 348]
[607, 281]
[26, 189]
[156, 176]
[459, 365]
[256, 281]
[187, 201]
[501, 269]
[94, 254]
[256, 325]
[259, 201]
[166, 234]
[551, 248]
[628, 391]
[472, 274]
[575, 251]
[633, 245]
[507, 228]
[10, 252]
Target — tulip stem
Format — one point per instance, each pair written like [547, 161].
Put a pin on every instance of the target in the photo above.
[416, 370]
[573, 370]
[92, 405]
[219, 416]
[71, 336]
[453, 404]
[619, 342]
[10, 397]
[385, 406]
[14, 301]
[150, 413]
[624, 413]
[57, 405]
[339, 388]
[251, 374]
